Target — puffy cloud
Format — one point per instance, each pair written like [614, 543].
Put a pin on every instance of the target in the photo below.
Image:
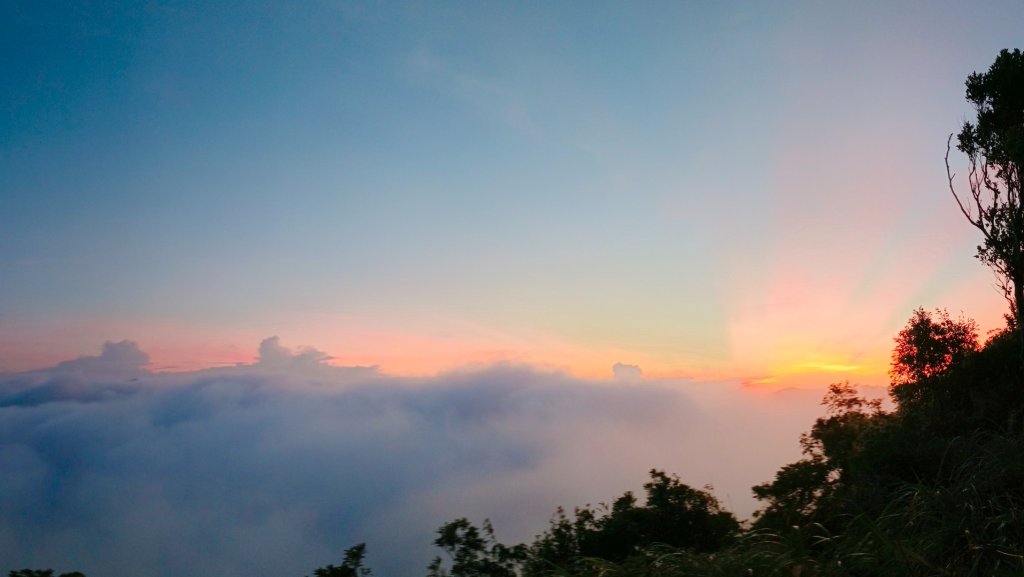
[273, 354]
[627, 373]
[84, 379]
[276, 467]
[117, 359]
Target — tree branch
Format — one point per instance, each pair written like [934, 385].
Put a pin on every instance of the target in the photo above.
[950, 175]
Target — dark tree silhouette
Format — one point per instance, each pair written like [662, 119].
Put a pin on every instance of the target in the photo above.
[351, 566]
[474, 552]
[802, 492]
[926, 350]
[929, 345]
[994, 145]
[673, 514]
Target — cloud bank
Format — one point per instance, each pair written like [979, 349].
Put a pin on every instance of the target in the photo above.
[273, 468]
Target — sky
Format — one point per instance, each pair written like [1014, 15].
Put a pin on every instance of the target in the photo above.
[728, 190]
[703, 212]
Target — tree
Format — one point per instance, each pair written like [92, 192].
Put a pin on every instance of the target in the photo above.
[802, 491]
[994, 145]
[351, 566]
[795, 494]
[673, 514]
[474, 552]
[679, 515]
[929, 345]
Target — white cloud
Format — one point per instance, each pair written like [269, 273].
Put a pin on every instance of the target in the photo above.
[274, 468]
[273, 354]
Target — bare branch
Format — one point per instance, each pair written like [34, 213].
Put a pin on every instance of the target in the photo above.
[979, 223]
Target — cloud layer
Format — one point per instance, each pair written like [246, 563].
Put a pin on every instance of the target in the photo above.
[273, 468]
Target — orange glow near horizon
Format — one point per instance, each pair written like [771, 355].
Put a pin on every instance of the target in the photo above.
[783, 336]
[798, 360]
[403, 354]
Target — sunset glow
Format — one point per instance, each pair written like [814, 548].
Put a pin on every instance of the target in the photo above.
[766, 214]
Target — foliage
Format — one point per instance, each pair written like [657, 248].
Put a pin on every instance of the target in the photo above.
[351, 566]
[994, 145]
[474, 552]
[929, 345]
[980, 390]
[793, 497]
[673, 515]
[802, 492]
[926, 349]
[936, 488]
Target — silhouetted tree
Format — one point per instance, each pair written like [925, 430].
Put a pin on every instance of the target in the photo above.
[351, 566]
[474, 552]
[803, 492]
[673, 514]
[994, 145]
[794, 496]
[679, 515]
[927, 348]
[930, 344]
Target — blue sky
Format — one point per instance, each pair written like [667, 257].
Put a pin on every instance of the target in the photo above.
[704, 189]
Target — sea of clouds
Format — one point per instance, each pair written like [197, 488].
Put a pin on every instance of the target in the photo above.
[273, 468]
